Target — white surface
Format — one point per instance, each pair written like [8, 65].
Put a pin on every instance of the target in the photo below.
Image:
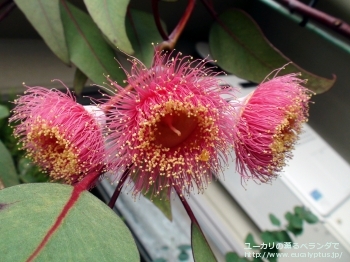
[315, 166]
[318, 174]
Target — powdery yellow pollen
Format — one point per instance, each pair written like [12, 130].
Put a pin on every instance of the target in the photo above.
[47, 145]
[286, 134]
[157, 153]
[204, 156]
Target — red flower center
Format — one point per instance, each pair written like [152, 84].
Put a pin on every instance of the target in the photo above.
[173, 129]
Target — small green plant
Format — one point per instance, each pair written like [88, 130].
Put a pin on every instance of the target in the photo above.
[275, 239]
[15, 167]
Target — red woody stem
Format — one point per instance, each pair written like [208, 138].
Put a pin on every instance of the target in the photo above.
[332, 22]
[171, 40]
[118, 188]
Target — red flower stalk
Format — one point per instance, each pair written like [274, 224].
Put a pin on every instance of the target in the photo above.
[268, 127]
[58, 134]
[173, 126]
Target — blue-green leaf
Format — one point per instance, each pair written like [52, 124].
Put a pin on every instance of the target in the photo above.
[88, 50]
[274, 220]
[89, 232]
[142, 32]
[79, 81]
[200, 247]
[109, 15]
[45, 18]
[8, 174]
[240, 48]
[4, 112]
[161, 201]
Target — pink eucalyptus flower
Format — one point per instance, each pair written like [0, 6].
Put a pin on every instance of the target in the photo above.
[172, 128]
[269, 125]
[58, 134]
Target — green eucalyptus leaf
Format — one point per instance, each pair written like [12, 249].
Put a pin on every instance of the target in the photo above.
[184, 247]
[274, 220]
[299, 210]
[45, 18]
[305, 214]
[288, 216]
[295, 223]
[161, 201]
[90, 231]
[10, 141]
[250, 239]
[160, 260]
[87, 48]
[8, 174]
[4, 112]
[231, 257]
[29, 172]
[309, 217]
[200, 247]
[183, 256]
[268, 237]
[142, 32]
[240, 47]
[282, 236]
[295, 231]
[160, 198]
[79, 81]
[110, 18]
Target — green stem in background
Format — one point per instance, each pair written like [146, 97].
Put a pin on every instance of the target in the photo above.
[8, 7]
[119, 187]
[171, 40]
[274, 5]
[337, 42]
[333, 23]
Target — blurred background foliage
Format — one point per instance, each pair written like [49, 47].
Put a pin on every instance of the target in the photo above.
[15, 168]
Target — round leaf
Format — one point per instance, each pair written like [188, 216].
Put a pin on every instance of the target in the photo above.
[240, 47]
[274, 220]
[89, 232]
[310, 218]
